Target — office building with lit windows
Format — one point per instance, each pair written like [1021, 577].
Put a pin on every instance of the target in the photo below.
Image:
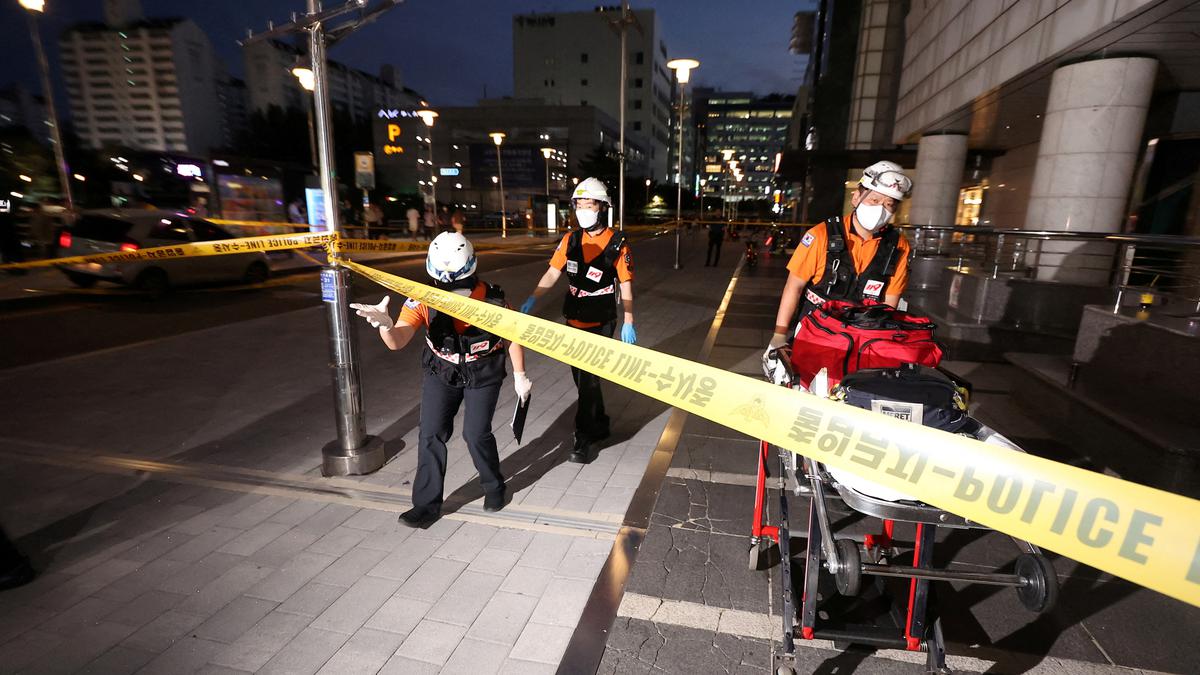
[753, 128]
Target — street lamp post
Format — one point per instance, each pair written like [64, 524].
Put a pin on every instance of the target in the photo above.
[353, 452]
[726, 156]
[304, 74]
[683, 69]
[498, 139]
[546, 152]
[34, 8]
[703, 181]
[647, 192]
[427, 116]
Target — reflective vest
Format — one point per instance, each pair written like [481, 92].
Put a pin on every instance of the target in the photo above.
[591, 291]
[473, 358]
[841, 282]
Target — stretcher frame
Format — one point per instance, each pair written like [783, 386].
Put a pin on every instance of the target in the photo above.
[1033, 577]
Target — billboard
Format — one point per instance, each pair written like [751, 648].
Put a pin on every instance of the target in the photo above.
[524, 166]
[395, 148]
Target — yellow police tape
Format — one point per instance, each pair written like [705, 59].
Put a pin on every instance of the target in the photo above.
[1147, 536]
[271, 242]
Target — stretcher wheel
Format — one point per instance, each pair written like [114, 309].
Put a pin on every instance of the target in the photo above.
[1040, 592]
[849, 577]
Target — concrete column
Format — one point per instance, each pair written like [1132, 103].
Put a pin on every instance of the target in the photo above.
[940, 162]
[1091, 136]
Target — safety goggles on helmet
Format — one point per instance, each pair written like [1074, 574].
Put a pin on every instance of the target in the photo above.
[886, 178]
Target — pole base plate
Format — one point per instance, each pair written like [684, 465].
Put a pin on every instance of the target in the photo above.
[337, 461]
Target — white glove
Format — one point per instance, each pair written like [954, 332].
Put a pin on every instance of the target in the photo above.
[376, 315]
[773, 358]
[522, 385]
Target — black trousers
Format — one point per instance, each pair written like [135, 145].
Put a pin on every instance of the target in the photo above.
[439, 405]
[713, 245]
[590, 421]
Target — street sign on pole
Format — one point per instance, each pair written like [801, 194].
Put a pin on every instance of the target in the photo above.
[364, 170]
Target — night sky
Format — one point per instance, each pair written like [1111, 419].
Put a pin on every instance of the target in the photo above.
[451, 50]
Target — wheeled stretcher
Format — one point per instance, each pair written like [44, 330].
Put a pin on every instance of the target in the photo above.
[808, 613]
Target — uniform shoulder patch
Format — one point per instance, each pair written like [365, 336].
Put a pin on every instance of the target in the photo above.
[808, 239]
[411, 303]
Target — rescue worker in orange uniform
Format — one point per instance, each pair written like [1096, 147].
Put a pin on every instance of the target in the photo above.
[597, 262]
[858, 258]
[461, 363]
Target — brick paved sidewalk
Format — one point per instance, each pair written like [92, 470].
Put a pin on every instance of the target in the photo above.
[173, 502]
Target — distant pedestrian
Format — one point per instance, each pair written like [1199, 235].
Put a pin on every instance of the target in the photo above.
[716, 236]
[414, 222]
[372, 217]
[458, 222]
[296, 213]
[430, 224]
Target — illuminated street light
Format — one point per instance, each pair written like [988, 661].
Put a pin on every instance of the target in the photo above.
[25, 178]
[308, 82]
[80, 177]
[428, 116]
[498, 139]
[683, 69]
[38, 6]
[305, 74]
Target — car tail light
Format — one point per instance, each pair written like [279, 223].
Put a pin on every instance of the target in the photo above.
[129, 246]
[64, 240]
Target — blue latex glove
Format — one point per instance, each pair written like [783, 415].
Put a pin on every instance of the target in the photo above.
[527, 306]
[628, 334]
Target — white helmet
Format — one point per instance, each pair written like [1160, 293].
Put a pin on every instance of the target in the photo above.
[886, 178]
[591, 188]
[451, 257]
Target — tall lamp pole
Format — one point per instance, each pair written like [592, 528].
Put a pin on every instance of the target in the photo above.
[683, 69]
[498, 139]
[546, 152]
[427, 116]
[36, 7]
[353, 452]
[622, 25]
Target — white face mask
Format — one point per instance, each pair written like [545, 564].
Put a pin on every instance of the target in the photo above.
[462, 291]
[872, 216]
[587, 218]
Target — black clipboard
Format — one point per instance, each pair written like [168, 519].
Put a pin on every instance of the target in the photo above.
[518, 419]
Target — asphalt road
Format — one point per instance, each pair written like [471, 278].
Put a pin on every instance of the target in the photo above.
[67, 324]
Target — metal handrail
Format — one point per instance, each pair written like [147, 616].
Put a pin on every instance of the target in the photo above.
[1154, 268]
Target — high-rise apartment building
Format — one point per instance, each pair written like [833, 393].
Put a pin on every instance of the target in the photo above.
[574, 58]
[150, 84]
[361, 95]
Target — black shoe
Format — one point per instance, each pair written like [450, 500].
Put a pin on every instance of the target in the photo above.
[17, 575]
[494, 501]
[420, 516]
[582, 452]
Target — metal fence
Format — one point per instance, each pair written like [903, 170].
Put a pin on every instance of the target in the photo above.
[1152, 269]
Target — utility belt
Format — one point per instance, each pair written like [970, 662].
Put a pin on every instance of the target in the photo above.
[479, 350]
[580, 293]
